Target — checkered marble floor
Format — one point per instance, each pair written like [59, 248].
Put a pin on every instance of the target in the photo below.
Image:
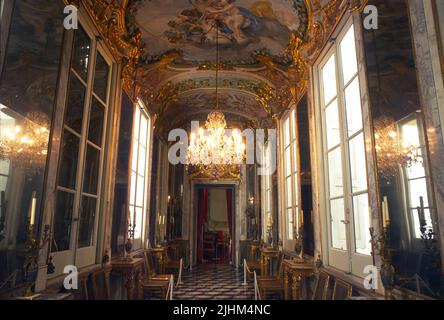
[214, 282]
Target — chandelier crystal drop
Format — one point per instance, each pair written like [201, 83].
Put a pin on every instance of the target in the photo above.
[215, 145]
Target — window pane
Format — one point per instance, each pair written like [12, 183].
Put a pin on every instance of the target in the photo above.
[335, 173]
[75, 104]
[143, 130]
[348, 54]
[332, 125]
[80, 57]
[134, 156]
[289, 193]
[69, 153]
[286, 132]
[295, 157]
[287, 162]
[329, 80]
[133, 188]
[293, 124]
[410, 134]
[136, 124]
[4, 166]
[338, 232]
[358, 164]
[101, 78]
[290, 224]
[140, 191]
[96, 121]
[91, 175]
[62, 221]
[415, 170]
[131, 214]
[139, 217]
[142, 161]
[87, 222]
[362, 224]
[353, 107]
[418, 189]
[417, 225]
[296, 190]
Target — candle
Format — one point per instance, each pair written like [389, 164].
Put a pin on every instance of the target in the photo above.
[384, 212]
[370, 217]
[32, 208]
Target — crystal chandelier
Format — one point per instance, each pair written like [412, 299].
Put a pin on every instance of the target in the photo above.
[214, 149]
[25, 145]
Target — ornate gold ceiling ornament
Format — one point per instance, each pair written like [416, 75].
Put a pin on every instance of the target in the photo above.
[222, 173]
[264, 93]
[357, 5]
[125, 45]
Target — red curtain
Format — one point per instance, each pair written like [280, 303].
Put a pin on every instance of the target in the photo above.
[230, 218]
[202, 217]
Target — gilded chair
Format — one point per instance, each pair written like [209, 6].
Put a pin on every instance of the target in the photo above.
[174, 263]
[274, 284]
[321, 288]
[342, 290]
[100, 284]
[253, 261]
[153, 283]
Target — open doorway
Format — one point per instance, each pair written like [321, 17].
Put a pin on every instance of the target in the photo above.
[215, 216]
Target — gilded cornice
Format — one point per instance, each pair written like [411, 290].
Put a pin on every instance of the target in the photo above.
[125, 44]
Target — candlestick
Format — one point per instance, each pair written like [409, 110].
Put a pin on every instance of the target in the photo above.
[32, 208]
[387, 211]
[383, 213]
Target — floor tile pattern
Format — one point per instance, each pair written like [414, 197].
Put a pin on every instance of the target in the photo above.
[214, 282]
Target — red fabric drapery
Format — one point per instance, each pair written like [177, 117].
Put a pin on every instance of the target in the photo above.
[202, 217]
[230, 218]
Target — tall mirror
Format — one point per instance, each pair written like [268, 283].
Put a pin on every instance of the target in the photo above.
[27, 94]
[404, 177]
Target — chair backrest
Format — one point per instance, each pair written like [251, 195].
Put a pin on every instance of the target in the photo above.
[280, 265]
[341, 290]
[100, 285]
[149, 269]
[321, 288]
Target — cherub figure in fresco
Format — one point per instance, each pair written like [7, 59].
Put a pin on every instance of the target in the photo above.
[230, 18]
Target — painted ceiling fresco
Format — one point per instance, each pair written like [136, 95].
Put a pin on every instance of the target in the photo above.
[244, 28]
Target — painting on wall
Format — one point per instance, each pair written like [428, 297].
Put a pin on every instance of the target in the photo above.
[241, 27]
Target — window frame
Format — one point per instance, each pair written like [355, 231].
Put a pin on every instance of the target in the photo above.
[138, 243]
[289, 229]
[88, 255]
[348, 260]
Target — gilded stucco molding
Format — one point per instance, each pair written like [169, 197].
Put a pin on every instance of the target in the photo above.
[124, 41]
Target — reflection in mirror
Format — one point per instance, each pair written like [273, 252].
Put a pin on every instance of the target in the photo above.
[27, 89]
[119, 224]
[402, 153]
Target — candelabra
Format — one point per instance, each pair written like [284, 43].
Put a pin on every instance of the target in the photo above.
[428, 238]
[381, 243]
[299, 244]
[129, 243]
[32, 248]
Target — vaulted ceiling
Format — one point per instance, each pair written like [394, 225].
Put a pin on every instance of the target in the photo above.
[179, 67]
[168, 52]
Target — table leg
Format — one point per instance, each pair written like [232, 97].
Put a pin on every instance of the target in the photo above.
[262, 265]
[286, 285]
[296, 286]
[130, 286]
